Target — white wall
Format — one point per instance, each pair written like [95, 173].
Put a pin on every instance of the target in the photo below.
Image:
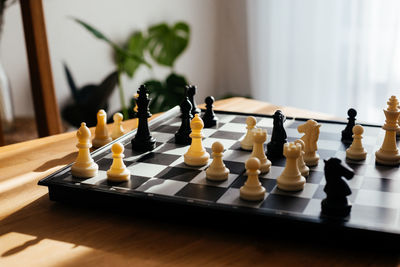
[91, 60]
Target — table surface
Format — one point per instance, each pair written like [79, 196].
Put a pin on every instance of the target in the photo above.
[35, 231]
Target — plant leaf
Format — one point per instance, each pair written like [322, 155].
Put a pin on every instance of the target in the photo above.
[166, 43]
[165, 95]
[94, 31]
[135, 47]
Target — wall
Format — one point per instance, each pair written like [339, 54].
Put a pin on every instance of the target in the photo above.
[90, 59]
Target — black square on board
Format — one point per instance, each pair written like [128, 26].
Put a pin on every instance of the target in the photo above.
[239, 119]
[167, 129]
[227, 135]
[234, 167]
[285, 203]
[104, 164]
[133, 183]
[281, 162]
[170, 145]
[315, 177]
[178, 174]
[203, 192]
[158, 158]
[236, 146]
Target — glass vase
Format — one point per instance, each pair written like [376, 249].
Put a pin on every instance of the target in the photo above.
[6, 105]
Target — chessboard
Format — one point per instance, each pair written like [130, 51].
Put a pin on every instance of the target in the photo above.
[160, 177]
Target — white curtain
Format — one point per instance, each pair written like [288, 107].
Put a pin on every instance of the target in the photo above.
[325, 55]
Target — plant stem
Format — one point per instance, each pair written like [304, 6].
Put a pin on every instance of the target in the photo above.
[122, 97]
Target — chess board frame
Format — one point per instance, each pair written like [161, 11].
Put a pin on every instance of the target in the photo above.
[136, 200]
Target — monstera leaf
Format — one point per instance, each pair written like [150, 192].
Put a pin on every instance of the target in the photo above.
[128, 59]
[128, 62]
[166, 43]
[166, 95]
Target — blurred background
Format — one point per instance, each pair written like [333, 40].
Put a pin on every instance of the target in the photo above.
[324, 56]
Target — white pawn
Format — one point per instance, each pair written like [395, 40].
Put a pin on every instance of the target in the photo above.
[118, 130]
[196, 154]
[388, 154]
[84, 166]
[291, 178]
[247, 142]
[356, 151]
[259, 138]
[118, 171]
[217, 170]
[252, 190]
[303, 168]
[101, 136]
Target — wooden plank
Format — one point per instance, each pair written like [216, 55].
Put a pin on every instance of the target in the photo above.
[46, 109]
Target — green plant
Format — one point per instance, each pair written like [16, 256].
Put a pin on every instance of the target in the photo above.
[127, 58]
[161, 43]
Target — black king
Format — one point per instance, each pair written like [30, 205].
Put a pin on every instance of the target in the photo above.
[143, 141]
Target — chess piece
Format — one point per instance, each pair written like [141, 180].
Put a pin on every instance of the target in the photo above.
[398, 123]
[196, 154]
[182, 136]
[191, 92]
[252, 190]
[217, 170]
[259, 138]
[84, 166]
[118, 171]
[118, 130]
[278, 138]
[304, 170]
[310, 139]
[388, 154]
[247, 142]
[143, 140]
[336, 189]
[209, 118]
[347, 133]
[101, 136]
[356, 151]
[291, 178]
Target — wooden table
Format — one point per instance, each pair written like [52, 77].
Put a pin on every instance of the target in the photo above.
[37, 232]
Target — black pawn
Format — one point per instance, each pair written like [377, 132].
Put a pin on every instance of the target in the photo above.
[209, 117]
[278, 138]
[347, 133]
[336, 189]
[191, 91]
[182, 136]
[143, 141]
